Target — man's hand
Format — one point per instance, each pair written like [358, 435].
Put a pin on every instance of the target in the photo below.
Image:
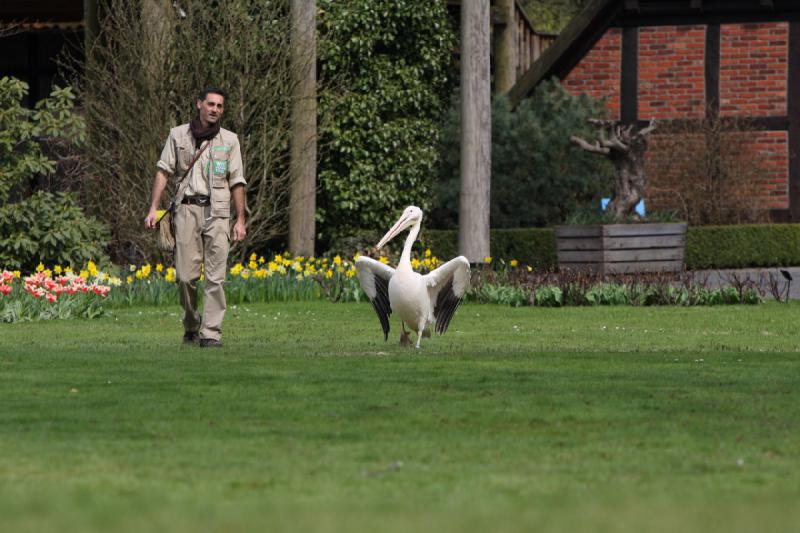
[239, 231]
[150, 220]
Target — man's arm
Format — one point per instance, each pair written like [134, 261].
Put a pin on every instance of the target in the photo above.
[239, 229]
[159, 184]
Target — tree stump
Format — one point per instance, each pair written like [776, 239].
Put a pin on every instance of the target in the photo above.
[625, 147]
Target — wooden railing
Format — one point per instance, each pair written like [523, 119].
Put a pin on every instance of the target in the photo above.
[530, 44]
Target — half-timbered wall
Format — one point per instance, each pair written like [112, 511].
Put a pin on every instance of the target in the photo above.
[684, 72]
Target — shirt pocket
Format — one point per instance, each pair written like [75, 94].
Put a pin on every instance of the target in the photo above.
[184, 159]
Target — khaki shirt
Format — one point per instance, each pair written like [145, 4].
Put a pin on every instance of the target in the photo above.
[214, 173]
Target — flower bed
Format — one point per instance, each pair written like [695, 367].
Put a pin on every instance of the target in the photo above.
[60, 292]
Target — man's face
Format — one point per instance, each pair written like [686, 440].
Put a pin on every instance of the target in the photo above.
[211, 108]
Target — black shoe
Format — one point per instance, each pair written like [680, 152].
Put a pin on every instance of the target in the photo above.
[190, 337]
[210, 343]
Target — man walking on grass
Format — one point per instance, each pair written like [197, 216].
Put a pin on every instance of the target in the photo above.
[207, 162]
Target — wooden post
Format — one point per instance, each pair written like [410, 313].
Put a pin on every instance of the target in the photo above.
[505, 47]
[303, 162]
[476, 136]
[91, 24]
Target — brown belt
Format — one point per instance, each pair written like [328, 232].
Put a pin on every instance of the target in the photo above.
[196, 200]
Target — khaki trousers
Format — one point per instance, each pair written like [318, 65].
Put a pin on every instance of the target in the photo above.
[200, 240]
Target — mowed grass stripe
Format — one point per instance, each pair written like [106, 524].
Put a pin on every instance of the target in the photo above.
[516, 417]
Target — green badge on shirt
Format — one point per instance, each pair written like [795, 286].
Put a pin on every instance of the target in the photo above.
[220, 167]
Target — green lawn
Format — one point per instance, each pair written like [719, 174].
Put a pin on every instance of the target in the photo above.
[601, 419]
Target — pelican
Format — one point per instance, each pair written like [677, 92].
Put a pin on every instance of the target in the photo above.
[418, 300]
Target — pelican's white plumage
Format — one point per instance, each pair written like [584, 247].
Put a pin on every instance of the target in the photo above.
[418, 300]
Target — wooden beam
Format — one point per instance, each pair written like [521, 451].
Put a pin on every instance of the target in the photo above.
[473, 214]
[303, 155]
[793, 108]
[712, 72]
[629, 72]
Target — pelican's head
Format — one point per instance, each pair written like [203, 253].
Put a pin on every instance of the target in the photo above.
[411, 215]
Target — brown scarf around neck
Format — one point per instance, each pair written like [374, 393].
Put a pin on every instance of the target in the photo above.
[200, 133]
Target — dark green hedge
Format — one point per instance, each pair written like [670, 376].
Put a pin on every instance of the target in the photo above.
[750, 245]
[707, 247]
[535, 246]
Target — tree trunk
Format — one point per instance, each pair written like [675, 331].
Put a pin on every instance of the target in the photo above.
[473, 224]
[303, 162]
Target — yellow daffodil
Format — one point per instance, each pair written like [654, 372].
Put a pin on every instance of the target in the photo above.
[427, 252]
[530, 268]
[337, 260]
[514, 263]
[245, 274]
[39, 267]
[57, 269]
[159, 268]
[252, 265]
[129, 279]
[85, 274]
[415, 263]
[261, 260]
[236, 269]
[170, 275]
[253, 257]
[487, 259]
[384, 260]
[329, 274]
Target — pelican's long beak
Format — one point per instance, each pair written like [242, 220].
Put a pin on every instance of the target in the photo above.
[399, 226]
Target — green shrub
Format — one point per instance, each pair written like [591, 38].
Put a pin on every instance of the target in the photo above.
[40, 226]
[538, 178]
[49, 228]
[387, 62]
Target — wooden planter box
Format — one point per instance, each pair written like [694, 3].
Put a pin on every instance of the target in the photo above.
[622, 248]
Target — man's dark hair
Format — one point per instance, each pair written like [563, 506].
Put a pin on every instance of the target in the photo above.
[210, 90]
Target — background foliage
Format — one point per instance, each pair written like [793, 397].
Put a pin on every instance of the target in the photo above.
[38, 225]
[552, 15]
[142, 76]
[391, 59]
[709, 172]
[538, 178]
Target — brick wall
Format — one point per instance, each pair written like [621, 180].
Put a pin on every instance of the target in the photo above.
[772, 150]
[672, 72]
[753, 69]
[598, 73]
[755, 163]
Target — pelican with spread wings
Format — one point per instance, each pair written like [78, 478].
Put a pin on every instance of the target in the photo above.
[418, 300]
